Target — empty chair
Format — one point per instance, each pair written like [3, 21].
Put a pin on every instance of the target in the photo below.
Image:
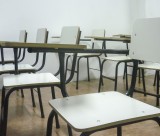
[33, 80]
[42, 35]
[69, 35]
[118, 59]
[95, 32]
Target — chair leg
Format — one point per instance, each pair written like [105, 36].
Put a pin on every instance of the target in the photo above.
[40, 102]
[88, 69]
[157, 101]
[69, 130]
[3, 97]
[126, 71]
[143, 80]
[53, 92]
[50, 123]
[139, 76]
[56, 116]
[99, 60]
[101, 76]
[119, 131]
[155, 76]
[77, 72]
[67, 65]
[32, 96]
[116, 76]
[22, 94]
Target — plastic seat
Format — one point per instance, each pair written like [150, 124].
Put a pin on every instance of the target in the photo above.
[95, 32]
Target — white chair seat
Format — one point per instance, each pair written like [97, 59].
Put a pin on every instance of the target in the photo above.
[29, 79]
[11, 67]
[117, 58]
[9, 59]
[153, 66]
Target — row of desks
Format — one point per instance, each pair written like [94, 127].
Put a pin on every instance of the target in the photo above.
[61, 49]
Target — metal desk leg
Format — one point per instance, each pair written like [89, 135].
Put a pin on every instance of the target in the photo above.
[157, 101]
[50, 123]
[15, 60]
[133, 81]
[4, 112]
[119, 131]
[2, 55]
[62, 74]
[84, 134]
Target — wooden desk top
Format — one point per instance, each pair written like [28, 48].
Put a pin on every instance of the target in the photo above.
[81, 39]
[100, 110]
[56, 37]
[50, 47]
[123, 35]
[110, 38]
[40, 45]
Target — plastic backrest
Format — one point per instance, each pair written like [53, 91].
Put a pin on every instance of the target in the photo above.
[70, 35]
[23, 36]
[145, 40]
[42, 35]
[98, 32]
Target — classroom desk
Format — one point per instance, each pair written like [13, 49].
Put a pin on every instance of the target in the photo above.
[118, 39]
[61, 49]
[94, 112]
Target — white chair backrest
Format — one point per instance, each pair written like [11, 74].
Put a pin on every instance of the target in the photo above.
[98, 32]
[42, 35]
[145, 40]
[70, 35]
[23, 36]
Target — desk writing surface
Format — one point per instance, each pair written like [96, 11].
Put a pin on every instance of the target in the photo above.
[145, 40]
[109, 38]
[40, 45]
[100, 110]
[122, 35]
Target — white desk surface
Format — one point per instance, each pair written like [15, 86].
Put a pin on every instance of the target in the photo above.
[100, 110]
[40, 45]
[110, 38]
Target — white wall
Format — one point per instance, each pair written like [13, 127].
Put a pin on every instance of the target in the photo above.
[152, 8]
[112, 15]
[137, 10]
